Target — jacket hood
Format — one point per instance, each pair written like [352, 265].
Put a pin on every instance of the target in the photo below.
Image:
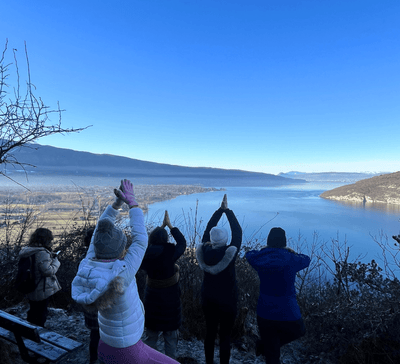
[27, 251]
[227, 258]
[93, 279]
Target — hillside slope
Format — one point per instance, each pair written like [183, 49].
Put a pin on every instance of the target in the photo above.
[51, 160]
[382, 189]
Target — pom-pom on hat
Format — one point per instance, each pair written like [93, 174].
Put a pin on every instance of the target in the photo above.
[276, 238]
[218, 236]
[109, 241]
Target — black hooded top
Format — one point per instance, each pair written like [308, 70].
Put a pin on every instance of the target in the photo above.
[218, 263]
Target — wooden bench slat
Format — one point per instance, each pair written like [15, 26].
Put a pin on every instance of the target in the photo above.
[24, 328]
[59, 340]
[31, 338]
[44, 349]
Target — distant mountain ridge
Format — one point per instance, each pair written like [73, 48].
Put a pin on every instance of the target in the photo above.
[346, 177]
[51, 160]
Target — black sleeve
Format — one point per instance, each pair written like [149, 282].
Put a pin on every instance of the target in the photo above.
[180, 243]
[235, 229]
[213, 222]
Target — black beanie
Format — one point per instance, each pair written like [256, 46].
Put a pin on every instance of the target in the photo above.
[276, 238]
[158, 236]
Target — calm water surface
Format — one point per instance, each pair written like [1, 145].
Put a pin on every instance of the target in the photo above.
[298, 209]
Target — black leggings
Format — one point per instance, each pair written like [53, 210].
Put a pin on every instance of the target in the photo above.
[37, 313]
[94, 344]
[275, 334]
[225, 318]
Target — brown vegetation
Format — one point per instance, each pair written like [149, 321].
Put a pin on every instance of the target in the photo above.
[351, 310]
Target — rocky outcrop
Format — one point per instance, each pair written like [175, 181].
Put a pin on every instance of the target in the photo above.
[380, 189]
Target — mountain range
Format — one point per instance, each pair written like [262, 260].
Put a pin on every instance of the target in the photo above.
[47, 160]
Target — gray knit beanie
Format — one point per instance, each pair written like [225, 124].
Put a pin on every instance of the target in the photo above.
[109, 241]
[218, 236]
[276, 238]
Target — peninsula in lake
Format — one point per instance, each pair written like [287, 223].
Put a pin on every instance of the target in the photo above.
[380, 189]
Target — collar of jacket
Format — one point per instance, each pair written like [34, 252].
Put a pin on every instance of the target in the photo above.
[221, 265]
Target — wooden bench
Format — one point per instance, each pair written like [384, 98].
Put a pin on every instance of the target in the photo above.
[35, 339]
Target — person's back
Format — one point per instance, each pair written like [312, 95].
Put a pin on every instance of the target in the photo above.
[163, 311]
[219, 293]
[277, 270]
[219, 282]
[106, 280]
[46, 267]
[278, 313]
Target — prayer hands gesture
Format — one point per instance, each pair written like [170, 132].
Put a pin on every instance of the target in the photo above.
[166, 221]
[224, 204]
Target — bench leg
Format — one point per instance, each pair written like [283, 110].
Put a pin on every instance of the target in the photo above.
[24, 352]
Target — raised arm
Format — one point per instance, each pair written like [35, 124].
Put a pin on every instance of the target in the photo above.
[213, 222]
[180, 243]
[235, 229]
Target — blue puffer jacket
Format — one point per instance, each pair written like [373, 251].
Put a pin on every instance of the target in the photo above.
[277, 270]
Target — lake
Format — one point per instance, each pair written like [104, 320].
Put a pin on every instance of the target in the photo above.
[298, 209]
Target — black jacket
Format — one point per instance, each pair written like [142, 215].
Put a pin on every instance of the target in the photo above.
[218, 263]
[163, 305]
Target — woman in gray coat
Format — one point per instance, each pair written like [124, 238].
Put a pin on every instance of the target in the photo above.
[46, 266]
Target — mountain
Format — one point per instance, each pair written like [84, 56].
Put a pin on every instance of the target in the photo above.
[383, 189]
[347, 177]
[59, 161]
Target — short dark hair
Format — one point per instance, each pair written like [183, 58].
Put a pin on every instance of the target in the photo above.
[41, 237]
[158, 236]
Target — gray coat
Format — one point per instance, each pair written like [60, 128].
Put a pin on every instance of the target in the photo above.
[46, 267]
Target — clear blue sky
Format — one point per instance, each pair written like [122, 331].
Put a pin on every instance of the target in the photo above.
[269, 86]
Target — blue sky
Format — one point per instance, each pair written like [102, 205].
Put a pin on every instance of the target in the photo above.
[268, 86]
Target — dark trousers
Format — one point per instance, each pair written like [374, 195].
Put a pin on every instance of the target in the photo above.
[275, 334]
[218, 316]
[37, 313]
[94, 344]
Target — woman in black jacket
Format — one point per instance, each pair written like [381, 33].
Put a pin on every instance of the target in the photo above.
[219, 293]
[162, 300]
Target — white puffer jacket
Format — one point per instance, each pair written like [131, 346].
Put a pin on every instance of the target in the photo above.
[122, 325]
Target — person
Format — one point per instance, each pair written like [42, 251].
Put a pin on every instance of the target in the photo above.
[46, 266]
[219, 292]
[106, 281]
[278, 314]
[162, 297]
[91, 316]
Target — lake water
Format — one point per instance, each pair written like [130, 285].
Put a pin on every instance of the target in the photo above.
[298, 209]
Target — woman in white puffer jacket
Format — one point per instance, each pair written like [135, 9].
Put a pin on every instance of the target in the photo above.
[106, 281]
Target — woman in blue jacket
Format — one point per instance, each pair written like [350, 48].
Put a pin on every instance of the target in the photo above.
[278, 314]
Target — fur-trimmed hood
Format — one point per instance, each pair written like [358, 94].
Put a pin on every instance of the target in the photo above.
[227, 257]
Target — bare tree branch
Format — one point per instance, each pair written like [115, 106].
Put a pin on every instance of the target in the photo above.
[23, 119]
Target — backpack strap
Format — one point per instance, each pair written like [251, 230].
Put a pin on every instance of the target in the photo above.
[33, 265]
